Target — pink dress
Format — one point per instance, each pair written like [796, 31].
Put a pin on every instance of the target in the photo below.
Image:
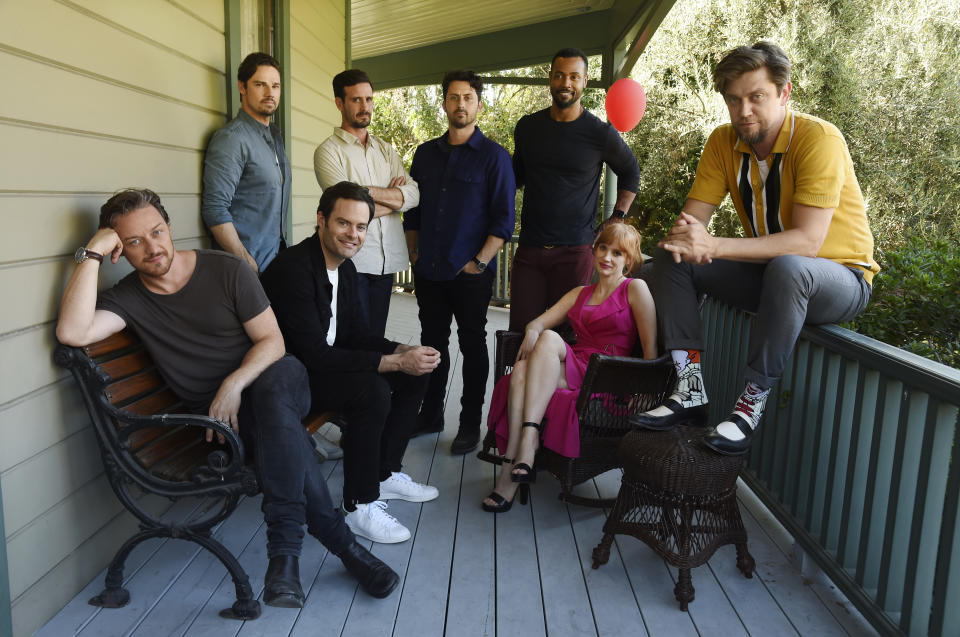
[607, 328]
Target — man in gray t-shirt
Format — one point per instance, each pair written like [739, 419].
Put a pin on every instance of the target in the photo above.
[207, 324]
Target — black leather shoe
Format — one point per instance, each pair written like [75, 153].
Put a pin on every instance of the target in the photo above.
[282, 582]
[428, 425]
[466, 441]
[722, 444]
[663, 423]
[374, 576]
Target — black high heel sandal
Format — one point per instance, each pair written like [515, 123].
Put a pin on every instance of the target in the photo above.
[530, 476]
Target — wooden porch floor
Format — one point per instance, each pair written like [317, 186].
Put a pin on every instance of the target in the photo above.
[466, 572]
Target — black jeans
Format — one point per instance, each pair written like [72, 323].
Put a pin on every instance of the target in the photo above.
[380, 411]
[465, 298]
[294, 489]
[373, 293]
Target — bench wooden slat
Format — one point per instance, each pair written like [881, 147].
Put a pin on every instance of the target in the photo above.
[118, 341]
[127, 364]
[135, 385]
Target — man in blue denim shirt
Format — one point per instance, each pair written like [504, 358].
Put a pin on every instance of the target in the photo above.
[466, 212]
[246, 174]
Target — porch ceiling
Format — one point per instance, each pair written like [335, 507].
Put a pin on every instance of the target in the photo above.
[415, 41]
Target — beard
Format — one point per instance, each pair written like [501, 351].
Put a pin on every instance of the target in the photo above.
[467, 121]
[564, 102]
[356, 122]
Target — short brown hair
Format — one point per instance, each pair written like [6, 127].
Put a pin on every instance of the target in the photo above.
[350, 77]
[625, 236]
[744, 59]
[129, 200]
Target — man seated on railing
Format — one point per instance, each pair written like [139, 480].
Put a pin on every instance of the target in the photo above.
[807, 256]
[208, 326]
[375, 384]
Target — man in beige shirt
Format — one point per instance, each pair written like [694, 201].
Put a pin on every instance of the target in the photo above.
[353, 154]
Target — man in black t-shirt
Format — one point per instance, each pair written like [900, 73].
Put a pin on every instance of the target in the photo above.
[558, 156]
[209, 327]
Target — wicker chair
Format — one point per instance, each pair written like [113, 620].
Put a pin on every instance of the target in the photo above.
[614, 387]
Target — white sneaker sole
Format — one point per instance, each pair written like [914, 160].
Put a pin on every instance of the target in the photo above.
[393, 495]
[380, 539]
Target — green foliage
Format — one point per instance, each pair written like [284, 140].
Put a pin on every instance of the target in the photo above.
[885, 72]
[916, 301]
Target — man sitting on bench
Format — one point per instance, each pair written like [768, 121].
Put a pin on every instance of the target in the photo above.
[208, 325]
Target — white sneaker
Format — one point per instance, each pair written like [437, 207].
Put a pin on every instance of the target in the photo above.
[374, 523]
[400, 486]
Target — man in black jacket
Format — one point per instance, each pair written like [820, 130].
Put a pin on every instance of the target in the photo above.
[375, 384]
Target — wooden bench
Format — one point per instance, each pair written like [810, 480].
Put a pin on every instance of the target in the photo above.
[149, 448]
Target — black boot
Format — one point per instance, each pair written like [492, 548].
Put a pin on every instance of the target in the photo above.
[282, 582]
[468, 437]
[374, 576]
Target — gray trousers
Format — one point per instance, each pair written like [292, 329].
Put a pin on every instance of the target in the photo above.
[784, 294]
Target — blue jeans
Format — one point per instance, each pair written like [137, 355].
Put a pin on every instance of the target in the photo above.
[784, 293]
[294, 489]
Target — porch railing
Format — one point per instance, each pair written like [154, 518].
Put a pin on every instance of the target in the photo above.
[501, 282]
[854, 459]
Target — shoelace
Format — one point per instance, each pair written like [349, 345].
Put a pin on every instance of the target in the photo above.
[399, 475]
[377, 510]
[747, 404]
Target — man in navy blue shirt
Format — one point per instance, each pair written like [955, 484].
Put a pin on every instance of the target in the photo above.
[466, 212]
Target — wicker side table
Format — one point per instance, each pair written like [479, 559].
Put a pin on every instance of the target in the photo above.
[680, 498]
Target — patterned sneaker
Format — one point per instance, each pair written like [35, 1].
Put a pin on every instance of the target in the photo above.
[374, 523]
[400, 486]
[733, 436]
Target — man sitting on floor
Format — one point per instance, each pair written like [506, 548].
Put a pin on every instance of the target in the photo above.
[208, 326]
[807, 256]
[376, 385]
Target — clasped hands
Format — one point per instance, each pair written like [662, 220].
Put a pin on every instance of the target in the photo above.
[689, 241]
[417, 360]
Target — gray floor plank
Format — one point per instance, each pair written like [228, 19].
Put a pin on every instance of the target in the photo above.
[800, 604]
[73, 617]
[423, 602]
[615, 609]
[756, 607]
[471, 609]
[566, 604]
[519, 601]
[846, 614]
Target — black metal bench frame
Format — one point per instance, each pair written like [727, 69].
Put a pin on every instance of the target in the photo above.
[148, 448]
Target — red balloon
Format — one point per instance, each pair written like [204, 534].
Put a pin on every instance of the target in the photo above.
[626, 103]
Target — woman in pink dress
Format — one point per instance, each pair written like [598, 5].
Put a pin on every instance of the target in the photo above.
[608, 317]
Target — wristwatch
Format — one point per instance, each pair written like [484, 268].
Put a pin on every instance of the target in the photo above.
[82, 254]
[480, 264]
[618, 214]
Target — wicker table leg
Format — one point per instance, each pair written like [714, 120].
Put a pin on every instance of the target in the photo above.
[601, 554]
[684, 591]
[745, 561]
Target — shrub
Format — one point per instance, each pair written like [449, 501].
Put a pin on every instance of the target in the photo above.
[916, 301]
